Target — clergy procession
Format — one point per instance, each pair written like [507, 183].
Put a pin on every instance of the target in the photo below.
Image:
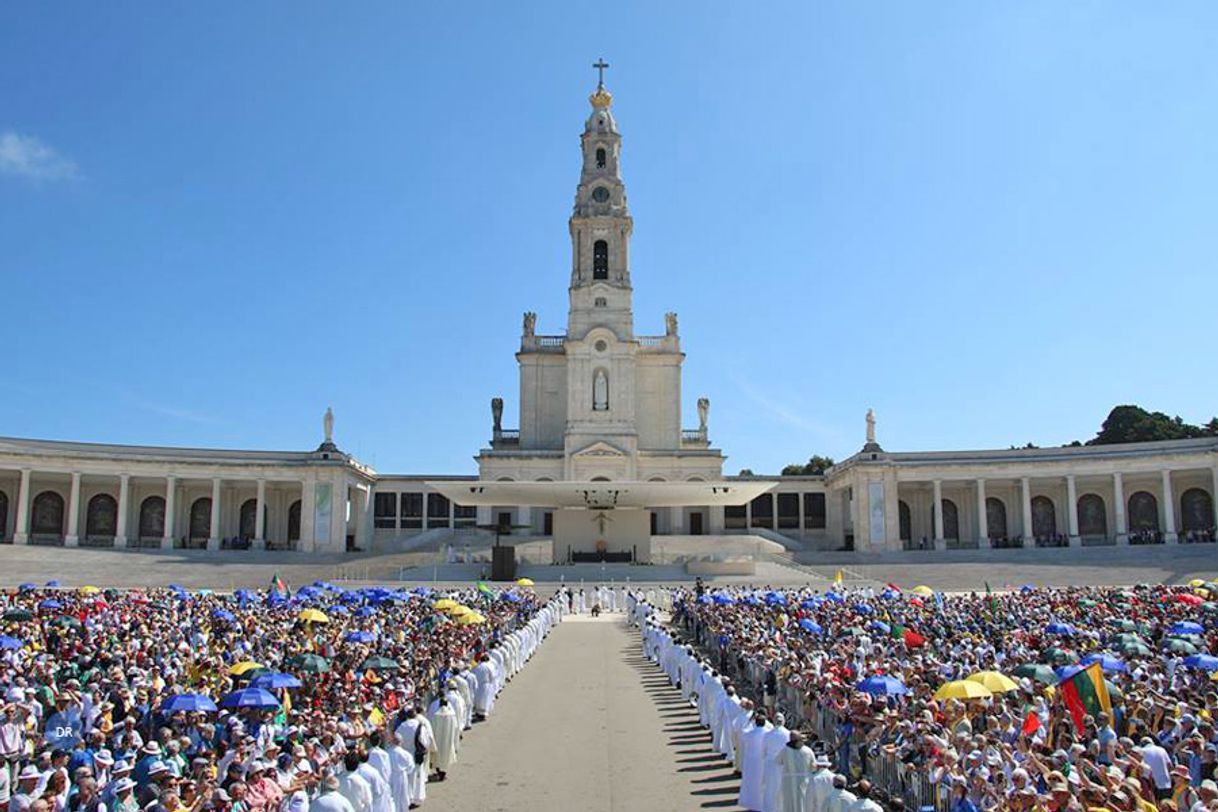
[331, 699]
[1036, 698]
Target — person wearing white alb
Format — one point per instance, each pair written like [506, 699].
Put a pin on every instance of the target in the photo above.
[864, 803]
[820, 785]
[839, 798]
[331, 800]
[353, 786]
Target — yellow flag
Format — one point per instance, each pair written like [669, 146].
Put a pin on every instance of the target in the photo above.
[287, 702]
[376, 718]
[837, 579]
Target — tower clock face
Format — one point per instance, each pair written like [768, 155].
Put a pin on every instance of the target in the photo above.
[600, 194]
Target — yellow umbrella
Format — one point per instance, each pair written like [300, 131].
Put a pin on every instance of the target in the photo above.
[471, 619]
[458, 610]
[997, 683]
[924, 591]
[313, 616]
[444, 603]
[524, 582]
[89, 590]
[1196, 582]
[962, 689]
[241, 667]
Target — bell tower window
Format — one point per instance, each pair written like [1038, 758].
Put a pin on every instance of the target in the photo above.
[600, 157]
[600, 260]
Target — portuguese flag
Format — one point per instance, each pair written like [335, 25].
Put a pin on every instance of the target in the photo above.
[908, 636]
[278, 586]
[1086, 694]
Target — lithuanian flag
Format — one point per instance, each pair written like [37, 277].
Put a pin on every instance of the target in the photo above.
[1086, 694]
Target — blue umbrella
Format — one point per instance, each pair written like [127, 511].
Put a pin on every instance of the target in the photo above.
[812, 602]
[421, 590]
[339, 609]
[359, 637]
[27, 587]
[776, 599]
[880, 626]
[249, 698]
[723, 600]
[187, 703]
[1107, 662]
[6, 641]
[51, 603]
[1026, 588]
[1186, 627]
[810, 626]
[275, 681]
[1059, 628]
[1205, 662]
[833, 596]
[224, 614]
[705, 599]
[52, 583]
[882, 685]
[864, 609]
[890, 594]
[175, 587]
[752, 600]
[511, 597]
[365, 611]
[1067, 671]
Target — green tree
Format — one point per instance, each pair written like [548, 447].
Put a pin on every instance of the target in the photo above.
[815, 465]
[1133, 424]
[746, 472]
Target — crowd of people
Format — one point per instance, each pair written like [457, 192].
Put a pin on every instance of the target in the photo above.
[171, 701]
[1059, 699]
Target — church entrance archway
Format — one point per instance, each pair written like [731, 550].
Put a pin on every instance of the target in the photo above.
[101, 517]
[46, 516]
[152, 518]
[1044, 517]
[1143, 512]
[1196, 510]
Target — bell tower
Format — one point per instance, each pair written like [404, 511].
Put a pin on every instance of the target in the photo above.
[600, 226]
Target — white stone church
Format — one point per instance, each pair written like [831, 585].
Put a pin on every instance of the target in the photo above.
[601, 464]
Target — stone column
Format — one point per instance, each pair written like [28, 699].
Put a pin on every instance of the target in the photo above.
[938, 542]
[71, 537]
[1213, 490]
[674, 521]
[213, 540]
[1026, 493]
[423, 523]
[524, 516]
[259, 519]
[801, 512]
[338, 517]
[124, 493]
[1118, 506]
[716, 520]
[367, 535]
[983, 524]
[308, 515]
[1169, 510]
[168, 532]
[1072, 511]
[748, 516]
[21, 531]
[485, 514]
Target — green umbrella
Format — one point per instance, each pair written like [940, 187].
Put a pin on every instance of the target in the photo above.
[853, 631]
[1178, 646]
[310, 663]
[1127, 637]
[1124, 624]
[1134, 649]
[1209, 607]
[66, 621]
[1114, 693]
[1035, 671]
[18, 614]
[1055, 654]
[1086, 603]
[379, 664]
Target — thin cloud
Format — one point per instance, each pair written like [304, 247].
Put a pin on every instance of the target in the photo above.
[783, 413]
[26, 156]
[187, 415]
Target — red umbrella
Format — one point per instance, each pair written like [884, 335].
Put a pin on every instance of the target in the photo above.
[1191, 600]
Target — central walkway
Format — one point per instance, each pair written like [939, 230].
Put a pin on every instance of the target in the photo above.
[588, 725]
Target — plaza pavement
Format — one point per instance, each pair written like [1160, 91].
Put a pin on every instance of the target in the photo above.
[588, 725]
[948, 570]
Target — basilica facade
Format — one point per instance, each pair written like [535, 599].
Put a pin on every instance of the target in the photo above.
[601, 461]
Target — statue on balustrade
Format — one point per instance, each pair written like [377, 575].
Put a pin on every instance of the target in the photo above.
[497, 413]
[703, 413]
[670, 323]
[530, 324]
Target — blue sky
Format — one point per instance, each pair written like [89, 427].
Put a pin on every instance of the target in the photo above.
[989, 221]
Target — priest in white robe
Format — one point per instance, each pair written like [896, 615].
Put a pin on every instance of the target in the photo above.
[820, 785]
[447, 733]
[752, 764]
[795, 761]
[775, 740]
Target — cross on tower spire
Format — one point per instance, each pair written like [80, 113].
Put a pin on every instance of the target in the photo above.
[600, 66]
